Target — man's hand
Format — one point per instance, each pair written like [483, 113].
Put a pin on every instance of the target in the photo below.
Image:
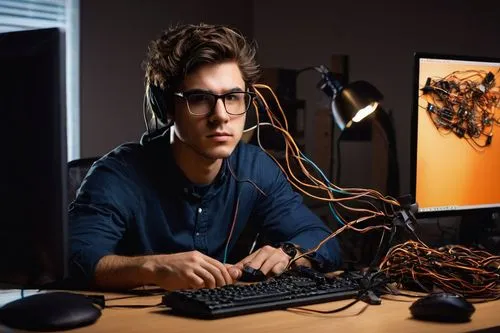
[270, 260]
[188, 270]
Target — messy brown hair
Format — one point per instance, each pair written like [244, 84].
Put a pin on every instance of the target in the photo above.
[180, 50]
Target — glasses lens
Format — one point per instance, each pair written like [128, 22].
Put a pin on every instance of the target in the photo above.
[200, 103]
[237, 102]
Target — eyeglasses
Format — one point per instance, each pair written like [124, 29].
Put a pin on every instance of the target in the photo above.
[200, 103]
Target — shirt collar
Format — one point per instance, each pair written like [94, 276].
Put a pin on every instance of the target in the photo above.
[171, 176]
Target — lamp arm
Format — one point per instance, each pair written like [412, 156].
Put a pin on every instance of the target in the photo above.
[336, 116]
[331, 86]
[328, 83]
[384, 121]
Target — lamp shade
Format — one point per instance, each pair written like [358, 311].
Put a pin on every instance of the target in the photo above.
[354, 102]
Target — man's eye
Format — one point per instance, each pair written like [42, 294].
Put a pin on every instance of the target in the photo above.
[234, 97]
[200, 98]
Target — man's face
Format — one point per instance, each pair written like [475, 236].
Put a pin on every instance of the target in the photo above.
[216, 134]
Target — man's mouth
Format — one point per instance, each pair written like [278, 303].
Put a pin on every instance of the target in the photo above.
[219, 134]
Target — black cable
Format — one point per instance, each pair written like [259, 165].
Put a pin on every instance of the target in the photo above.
[134, 306]
[132, 296]
[362, 293]
[445, 232]
[336, 179]
[306, 69]
[342, 308]
[140, 294]
[378, 254]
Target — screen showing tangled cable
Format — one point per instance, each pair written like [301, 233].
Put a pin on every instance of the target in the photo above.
[464, 103]
[457, 269]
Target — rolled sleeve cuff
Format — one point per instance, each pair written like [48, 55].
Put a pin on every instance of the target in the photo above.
[83, 263]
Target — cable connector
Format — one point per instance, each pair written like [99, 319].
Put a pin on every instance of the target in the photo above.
[405, 217]
[427, 88]
[370, 298]
[98, 300]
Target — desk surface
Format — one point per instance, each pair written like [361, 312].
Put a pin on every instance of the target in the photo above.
[391, 316]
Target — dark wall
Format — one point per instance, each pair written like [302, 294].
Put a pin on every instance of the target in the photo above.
[114, 39]
[380, 38]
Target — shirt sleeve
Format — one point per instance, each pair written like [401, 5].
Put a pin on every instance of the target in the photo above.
[285, 218]
[98, 217]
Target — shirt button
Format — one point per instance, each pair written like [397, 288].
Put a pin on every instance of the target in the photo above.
[197, 234]
[200, 210]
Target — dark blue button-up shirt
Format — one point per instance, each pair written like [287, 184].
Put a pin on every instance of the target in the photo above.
[137, 201]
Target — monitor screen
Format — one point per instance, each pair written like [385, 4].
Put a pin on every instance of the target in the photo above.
[33, 164]
[455, 134]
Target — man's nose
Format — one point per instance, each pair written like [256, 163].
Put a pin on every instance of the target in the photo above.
[219, 111]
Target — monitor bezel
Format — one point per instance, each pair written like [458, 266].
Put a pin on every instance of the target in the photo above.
[48, 41]
[417, 56]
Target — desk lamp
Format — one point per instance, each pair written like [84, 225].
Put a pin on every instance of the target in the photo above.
[353, 102]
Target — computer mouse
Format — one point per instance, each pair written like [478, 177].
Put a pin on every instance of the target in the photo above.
[250, 274]
[50, 311]
[442, 307]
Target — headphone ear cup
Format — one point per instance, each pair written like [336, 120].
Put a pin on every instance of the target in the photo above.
[157, 103]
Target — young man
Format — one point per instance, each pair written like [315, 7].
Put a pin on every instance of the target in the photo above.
[168, 210]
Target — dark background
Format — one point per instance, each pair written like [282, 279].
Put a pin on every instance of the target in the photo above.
[379, 38]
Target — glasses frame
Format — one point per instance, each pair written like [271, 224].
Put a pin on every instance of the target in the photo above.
[185, 95]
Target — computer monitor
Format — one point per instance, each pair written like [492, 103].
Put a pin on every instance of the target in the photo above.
[33, 225]
[455, 156]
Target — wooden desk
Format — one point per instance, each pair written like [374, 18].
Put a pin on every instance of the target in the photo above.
[391, 316]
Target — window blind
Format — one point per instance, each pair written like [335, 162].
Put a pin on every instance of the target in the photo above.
[30, 14]
[18, 15]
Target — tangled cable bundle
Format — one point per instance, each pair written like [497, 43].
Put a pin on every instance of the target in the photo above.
[464, 103]
[452, 268]
[472, 273]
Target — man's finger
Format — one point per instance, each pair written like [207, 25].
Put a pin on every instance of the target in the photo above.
[234, 271]
[276, 257]
[243, 262]
[195, 282]
[221, 272]
[279, 268]
[208, 278]
[260, 257]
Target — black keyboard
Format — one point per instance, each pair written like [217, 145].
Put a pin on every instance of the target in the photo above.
[297, 287]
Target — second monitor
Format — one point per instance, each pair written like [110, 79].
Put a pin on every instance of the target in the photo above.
[455, 134]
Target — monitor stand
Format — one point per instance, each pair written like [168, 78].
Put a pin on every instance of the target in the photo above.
[481, 229]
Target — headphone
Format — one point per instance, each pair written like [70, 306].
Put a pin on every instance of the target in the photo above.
[158, 105]
[157, 102]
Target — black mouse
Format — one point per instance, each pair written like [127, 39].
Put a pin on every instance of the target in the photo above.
[442, 307]
[250, 274]
[50, 311]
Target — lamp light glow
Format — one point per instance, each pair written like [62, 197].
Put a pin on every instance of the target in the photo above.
[365, 112]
